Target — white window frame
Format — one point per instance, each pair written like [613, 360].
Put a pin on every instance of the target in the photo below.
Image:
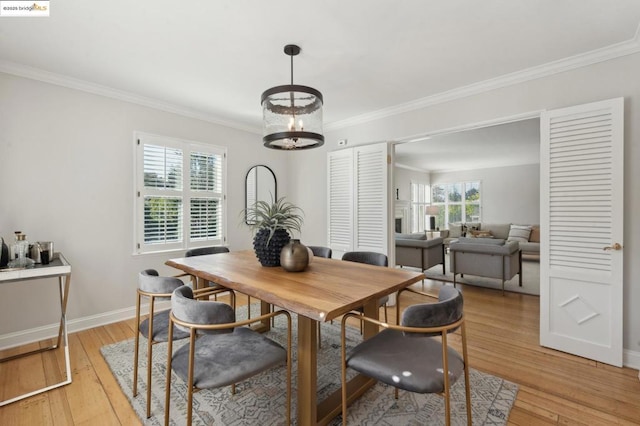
[417, 222]
[187, 194]
[462, 203]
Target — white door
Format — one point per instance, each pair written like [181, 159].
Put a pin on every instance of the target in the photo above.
[581, 212]
[340, 201]
[358, 199]
[371, 218]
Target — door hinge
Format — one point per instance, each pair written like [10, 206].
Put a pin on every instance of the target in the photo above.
[138, 141]
[138, 245]
[388, 159]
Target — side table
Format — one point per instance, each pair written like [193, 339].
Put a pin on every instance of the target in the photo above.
[60, 268]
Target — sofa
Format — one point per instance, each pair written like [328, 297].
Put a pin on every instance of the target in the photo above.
[486, 257]
[527, 236]
[417, 251]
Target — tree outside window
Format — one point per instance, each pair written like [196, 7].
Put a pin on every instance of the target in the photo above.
[457, 202]
[179, 196]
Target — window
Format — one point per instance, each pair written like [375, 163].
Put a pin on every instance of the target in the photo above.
[179, 199]
[420, 199]
[458, 202]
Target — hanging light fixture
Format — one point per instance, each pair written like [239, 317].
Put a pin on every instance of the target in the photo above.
[292, 114]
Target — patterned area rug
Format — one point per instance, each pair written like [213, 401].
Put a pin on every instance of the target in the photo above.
[262, 399]
[530, 278]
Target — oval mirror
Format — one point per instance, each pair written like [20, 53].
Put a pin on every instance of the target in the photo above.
[260, 185]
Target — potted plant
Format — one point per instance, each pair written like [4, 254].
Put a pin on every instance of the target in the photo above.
[273, 224]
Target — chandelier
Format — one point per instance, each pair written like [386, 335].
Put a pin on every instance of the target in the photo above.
[292, 114]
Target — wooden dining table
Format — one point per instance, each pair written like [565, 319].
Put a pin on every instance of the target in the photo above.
[327, 289]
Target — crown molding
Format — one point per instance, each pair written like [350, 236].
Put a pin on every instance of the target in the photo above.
[607, 53]
[614, 51]
[121, 95]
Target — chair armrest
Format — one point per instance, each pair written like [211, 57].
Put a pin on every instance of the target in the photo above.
[509, 247]
[362, 318]
[228, 325]
[400, 242]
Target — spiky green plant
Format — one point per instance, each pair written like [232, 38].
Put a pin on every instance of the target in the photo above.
[279, 214]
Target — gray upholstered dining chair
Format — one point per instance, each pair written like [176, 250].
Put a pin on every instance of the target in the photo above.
[320, 251]
[413, 355]
[202, 251]
[155, 328]
[370, 258]
[221, 350]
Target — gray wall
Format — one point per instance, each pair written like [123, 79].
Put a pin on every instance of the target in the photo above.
[402, 179]
[605, 80]
[509, 194]
[66, 173]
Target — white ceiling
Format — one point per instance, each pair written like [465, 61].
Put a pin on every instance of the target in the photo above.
[213, 59]
[511, 144]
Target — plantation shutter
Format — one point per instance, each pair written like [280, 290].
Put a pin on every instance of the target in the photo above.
[371, 220]
[179, 201]
[358, 199]
[162, 195]
[205, 219]
[340, 191]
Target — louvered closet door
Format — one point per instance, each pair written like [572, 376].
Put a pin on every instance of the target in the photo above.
[581, 264]
[340, 189]
[371, 206]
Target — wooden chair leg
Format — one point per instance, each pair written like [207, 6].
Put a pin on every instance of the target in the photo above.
[136, 349]
[149, 354]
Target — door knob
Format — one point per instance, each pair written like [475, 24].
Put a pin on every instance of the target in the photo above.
[615, 246]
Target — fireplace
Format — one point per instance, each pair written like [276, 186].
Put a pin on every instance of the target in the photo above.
[401, 216]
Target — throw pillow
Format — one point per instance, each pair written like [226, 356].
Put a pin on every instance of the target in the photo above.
[468, 228]
[455, 230]
[535, 234]
[519, 233]
[481, 234]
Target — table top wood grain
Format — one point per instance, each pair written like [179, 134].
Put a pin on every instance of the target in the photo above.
[327, 289]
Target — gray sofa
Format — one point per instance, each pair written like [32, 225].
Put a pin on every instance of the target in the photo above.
[417, 251]
[486, 257]
[530, 246]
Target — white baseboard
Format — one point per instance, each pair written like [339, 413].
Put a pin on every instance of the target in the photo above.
[631, 359]
[37, 334]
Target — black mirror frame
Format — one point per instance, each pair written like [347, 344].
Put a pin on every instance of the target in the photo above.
[246, 187]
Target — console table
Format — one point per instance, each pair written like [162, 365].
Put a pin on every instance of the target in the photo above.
[60, 268]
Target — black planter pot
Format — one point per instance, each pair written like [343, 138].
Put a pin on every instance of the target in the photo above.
[269, 254]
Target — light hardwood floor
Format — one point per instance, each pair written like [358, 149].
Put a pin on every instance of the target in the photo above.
[555, 388]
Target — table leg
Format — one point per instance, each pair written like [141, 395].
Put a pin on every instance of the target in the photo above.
[64, 283]
[307, 371]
